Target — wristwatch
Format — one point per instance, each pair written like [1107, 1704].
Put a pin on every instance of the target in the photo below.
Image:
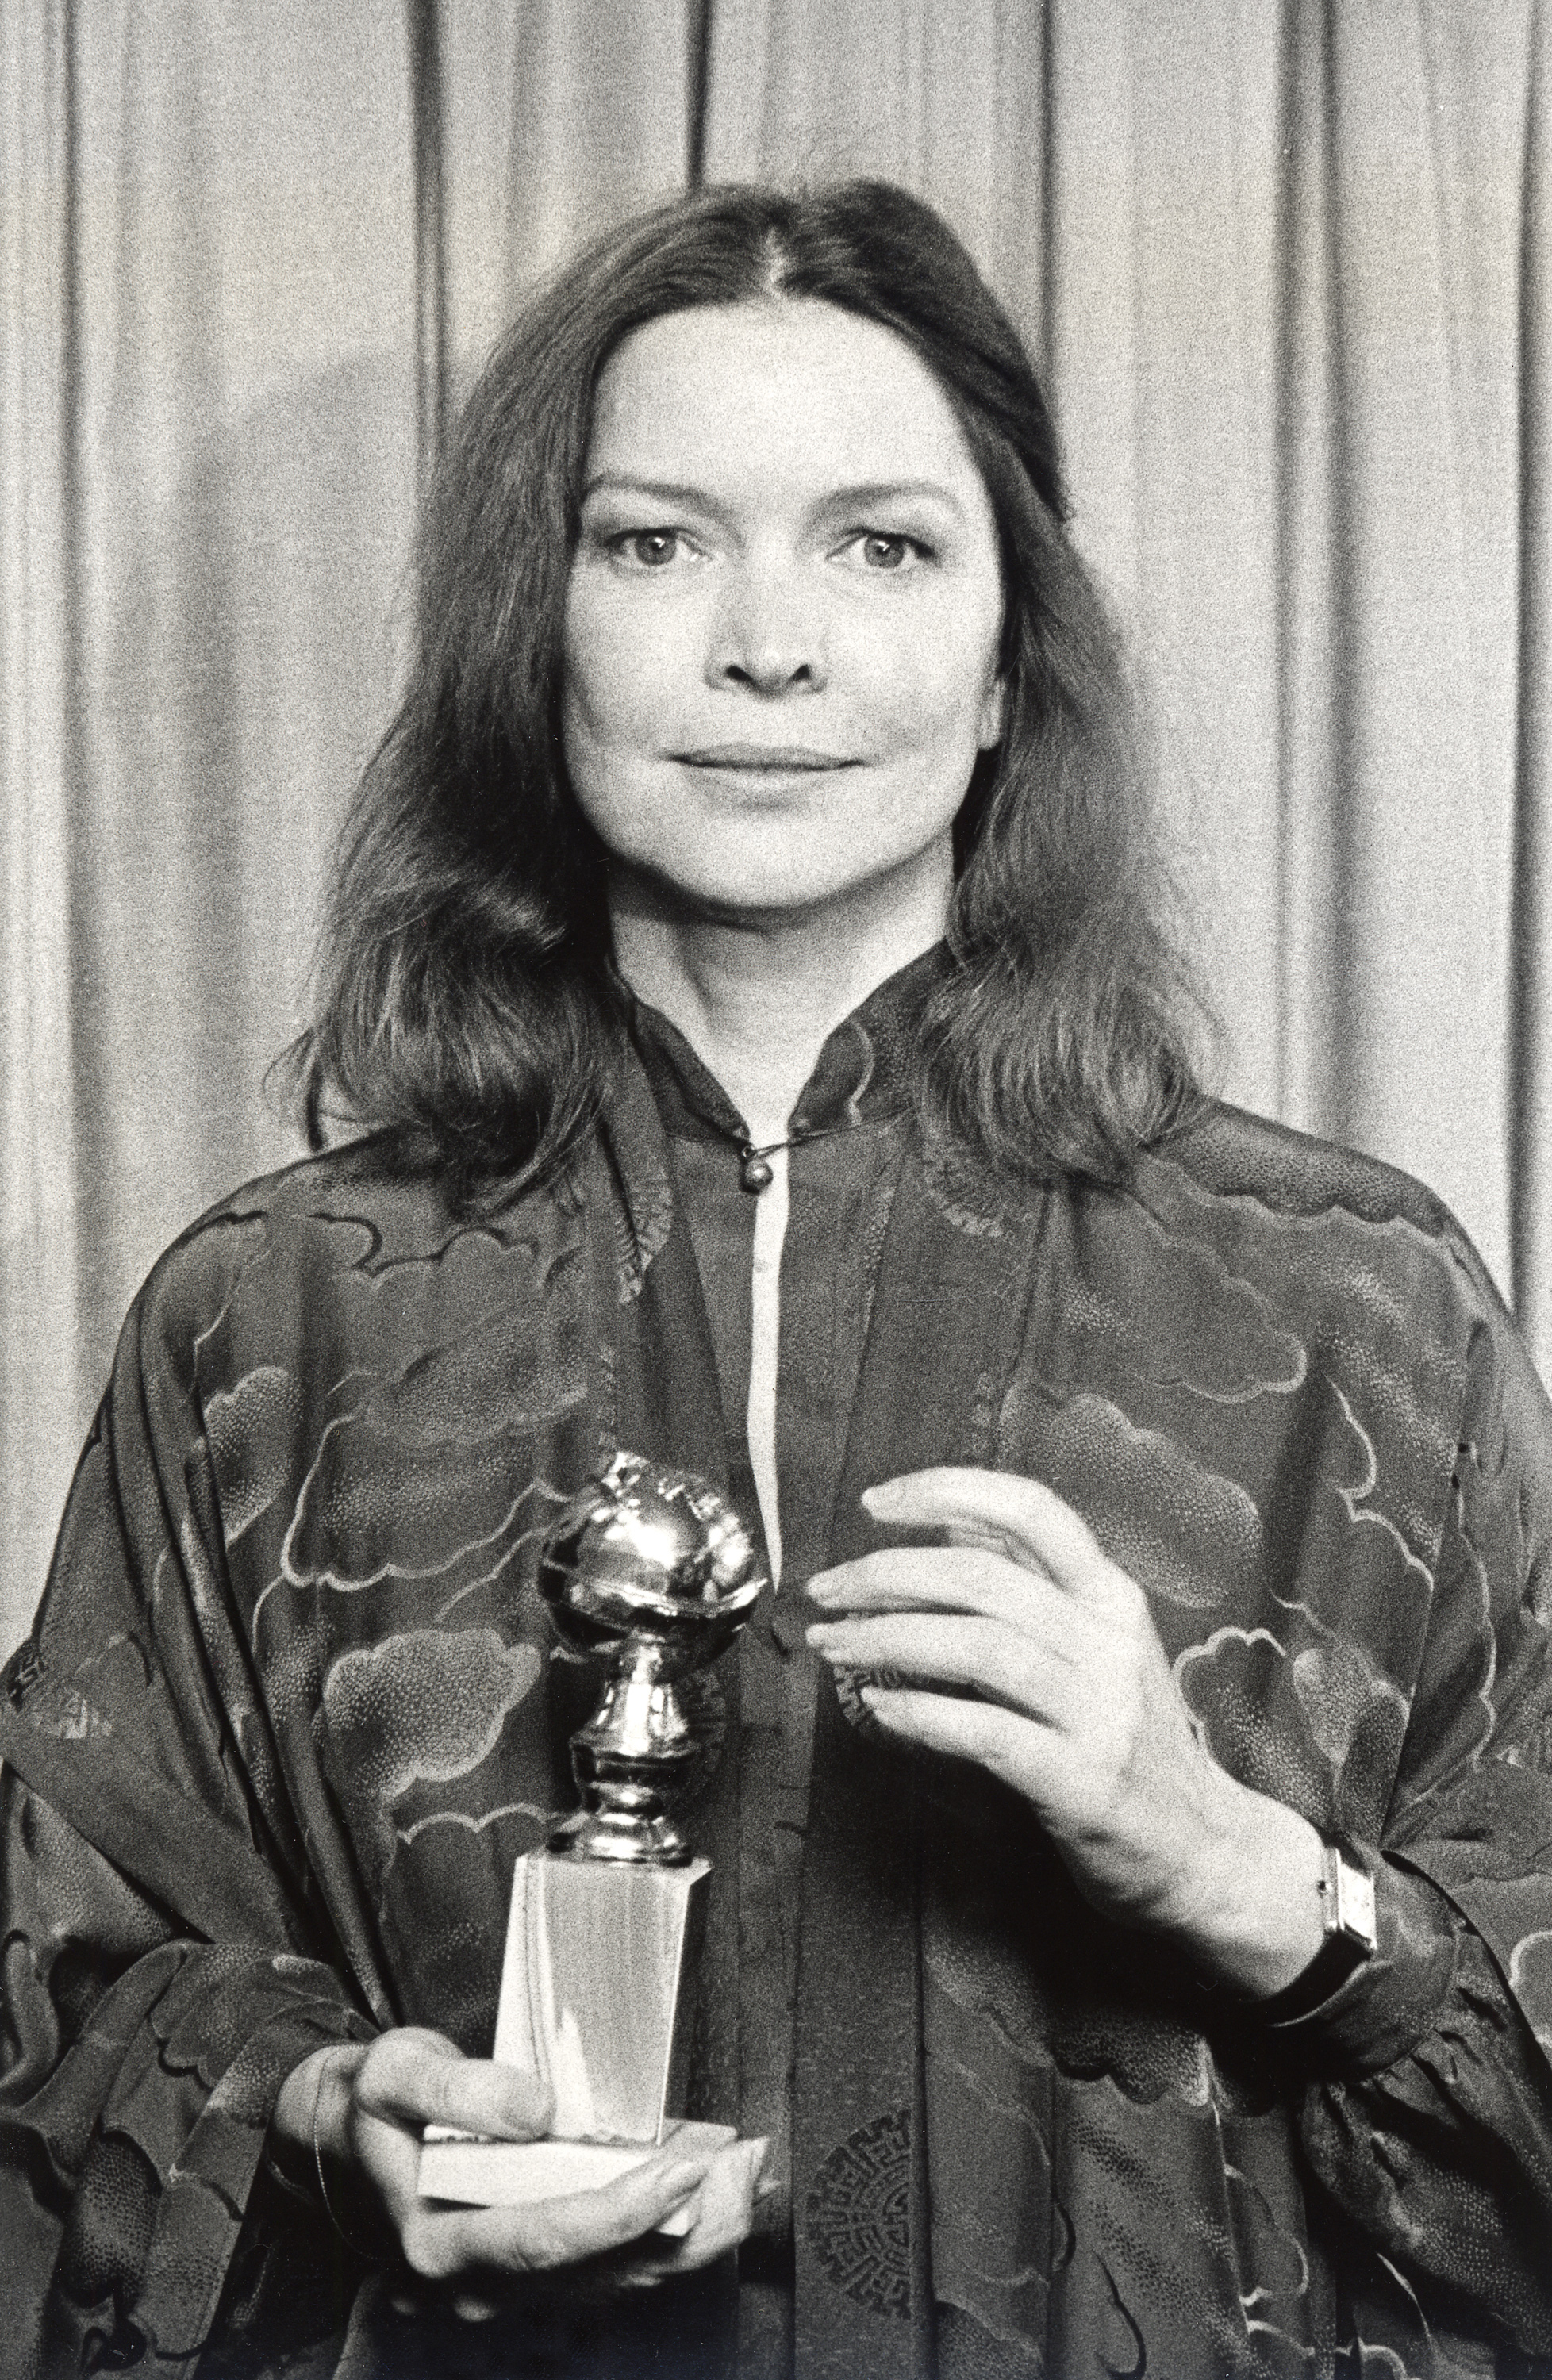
[1347, 1922]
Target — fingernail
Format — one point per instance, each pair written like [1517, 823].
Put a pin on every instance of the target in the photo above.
[683, 2179]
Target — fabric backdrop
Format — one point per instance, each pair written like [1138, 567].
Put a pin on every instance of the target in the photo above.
[1287, 266]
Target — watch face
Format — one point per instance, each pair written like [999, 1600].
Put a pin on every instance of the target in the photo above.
[1350, 1902]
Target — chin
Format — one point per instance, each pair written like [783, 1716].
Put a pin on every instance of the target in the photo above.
[746, 899]
[790, 873]
[766, 890]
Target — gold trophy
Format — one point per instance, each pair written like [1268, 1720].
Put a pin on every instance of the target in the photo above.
[651, 1574]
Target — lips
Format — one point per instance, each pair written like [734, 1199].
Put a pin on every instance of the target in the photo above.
[763, 757]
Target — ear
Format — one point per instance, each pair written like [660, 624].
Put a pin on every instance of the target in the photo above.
[994, 715]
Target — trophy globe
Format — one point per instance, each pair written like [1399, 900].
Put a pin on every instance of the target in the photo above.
[650, 1573]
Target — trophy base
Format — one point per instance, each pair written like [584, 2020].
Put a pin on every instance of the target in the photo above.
[469, 2172]
[597, 1990]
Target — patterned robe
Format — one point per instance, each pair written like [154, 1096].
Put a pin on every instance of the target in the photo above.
[290, 1711]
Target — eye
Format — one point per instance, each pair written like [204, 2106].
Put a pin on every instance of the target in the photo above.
[886, 550]
[648, 548]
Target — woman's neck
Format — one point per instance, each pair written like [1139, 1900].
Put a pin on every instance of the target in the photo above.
[756, 997]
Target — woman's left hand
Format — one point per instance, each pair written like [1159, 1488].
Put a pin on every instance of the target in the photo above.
[1070, 1699]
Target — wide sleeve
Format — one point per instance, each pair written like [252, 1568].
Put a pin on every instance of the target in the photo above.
[166, 1964]
[1431, 2123]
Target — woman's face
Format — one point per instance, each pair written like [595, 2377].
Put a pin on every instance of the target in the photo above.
[783, 621]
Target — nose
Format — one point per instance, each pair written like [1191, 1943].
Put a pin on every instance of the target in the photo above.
[769, 634]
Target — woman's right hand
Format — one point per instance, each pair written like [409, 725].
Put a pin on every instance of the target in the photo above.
[365, 2110]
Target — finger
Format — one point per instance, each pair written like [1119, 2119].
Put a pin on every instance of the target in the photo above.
[412, 2076]
[996, 1659]
[724, 2211]
[1034, 1523]
[994, 1738]
[913, 1578]
[552, 2231]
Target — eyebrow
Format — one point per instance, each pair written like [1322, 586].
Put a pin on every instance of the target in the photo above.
[866, 492]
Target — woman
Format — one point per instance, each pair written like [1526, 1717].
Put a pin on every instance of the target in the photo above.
[747, 968]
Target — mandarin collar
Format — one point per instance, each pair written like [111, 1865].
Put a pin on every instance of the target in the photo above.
[863, 1073]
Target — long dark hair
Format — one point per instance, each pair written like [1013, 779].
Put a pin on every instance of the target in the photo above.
[459, 996]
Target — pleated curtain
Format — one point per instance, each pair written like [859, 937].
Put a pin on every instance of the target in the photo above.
[1286, 266]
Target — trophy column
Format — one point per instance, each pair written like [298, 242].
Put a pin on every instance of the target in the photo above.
[650, 1573]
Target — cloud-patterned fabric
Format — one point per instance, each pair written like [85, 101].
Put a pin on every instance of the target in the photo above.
[290, 1712]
